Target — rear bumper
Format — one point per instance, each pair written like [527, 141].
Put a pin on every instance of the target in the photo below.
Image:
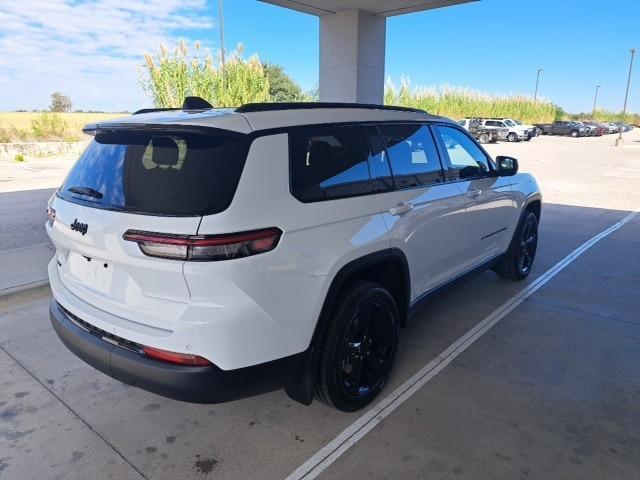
[190, 384]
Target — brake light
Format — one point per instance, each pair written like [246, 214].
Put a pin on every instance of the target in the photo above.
[177, 358]
[51, 213]
[205, 247]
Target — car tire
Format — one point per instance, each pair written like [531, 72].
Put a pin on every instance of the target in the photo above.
[359, 347]
[484, 138]
[512, 137]
[574, 133]
[518, 261]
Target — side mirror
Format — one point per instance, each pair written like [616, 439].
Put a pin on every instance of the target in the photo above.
[507, 166]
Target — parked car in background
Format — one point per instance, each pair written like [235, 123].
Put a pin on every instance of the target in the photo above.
[543, 128]
[590, 130]
[533, 131]
[515, 132]
[480, 133]
[600, 128]
[612, 127]
[623, 127]
[563, 127]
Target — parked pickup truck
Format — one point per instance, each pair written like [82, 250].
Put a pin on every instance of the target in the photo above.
[515, 132]
[482, 134]
[562, 127]
[533, 131]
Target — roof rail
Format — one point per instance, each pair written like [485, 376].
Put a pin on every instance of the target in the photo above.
[268, 107]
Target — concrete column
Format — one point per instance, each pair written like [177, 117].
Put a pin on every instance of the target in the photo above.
[352, 44]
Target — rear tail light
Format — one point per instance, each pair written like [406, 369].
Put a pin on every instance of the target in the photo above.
[205, 247]
[177, 358]
[51, 212]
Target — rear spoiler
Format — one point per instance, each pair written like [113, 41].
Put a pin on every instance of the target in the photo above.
[98, 128]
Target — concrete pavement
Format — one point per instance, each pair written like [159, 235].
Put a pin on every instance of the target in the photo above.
[25, 249]
[552, 392]
[550, 389]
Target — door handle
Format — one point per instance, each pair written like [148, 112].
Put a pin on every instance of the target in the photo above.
[402, 207]
[474, 193]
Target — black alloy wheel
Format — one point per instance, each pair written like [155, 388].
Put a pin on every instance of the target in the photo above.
[366, 351]
[360, 347]
[518, 260]
[528, 244]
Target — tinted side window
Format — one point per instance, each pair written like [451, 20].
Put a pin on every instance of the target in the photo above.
[329, 162]
[412, 155]
[466, 160]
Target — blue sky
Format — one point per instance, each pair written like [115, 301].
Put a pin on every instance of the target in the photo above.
[89, 49]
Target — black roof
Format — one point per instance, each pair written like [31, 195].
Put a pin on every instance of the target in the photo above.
[268, 107]
[197, 103]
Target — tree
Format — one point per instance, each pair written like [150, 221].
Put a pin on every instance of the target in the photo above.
[282, 88]
[60, 102]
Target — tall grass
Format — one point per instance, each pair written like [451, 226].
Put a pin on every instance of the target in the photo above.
[603, 115]
[168, 77]
[46, 126]
[456, 102]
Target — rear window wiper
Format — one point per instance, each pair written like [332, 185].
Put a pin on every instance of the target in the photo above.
[88, 191]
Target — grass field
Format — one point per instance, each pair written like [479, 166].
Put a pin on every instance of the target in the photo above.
[457, 103]
[35, 126]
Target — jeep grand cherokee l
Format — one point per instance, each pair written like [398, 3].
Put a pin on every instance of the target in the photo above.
[207, 255]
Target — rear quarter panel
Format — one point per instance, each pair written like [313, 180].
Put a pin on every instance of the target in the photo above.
[275, 298]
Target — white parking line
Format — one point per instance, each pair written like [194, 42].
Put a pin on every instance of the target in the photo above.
[363, 425]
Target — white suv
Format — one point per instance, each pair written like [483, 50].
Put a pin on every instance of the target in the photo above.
[207, 255]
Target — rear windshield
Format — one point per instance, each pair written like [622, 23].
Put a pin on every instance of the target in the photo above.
[178, 174]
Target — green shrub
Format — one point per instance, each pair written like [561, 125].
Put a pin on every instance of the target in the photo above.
[49, 126]
[19, 157]
[168, 78]
[18, 134]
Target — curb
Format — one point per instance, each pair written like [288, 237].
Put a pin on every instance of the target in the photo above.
[25, 287]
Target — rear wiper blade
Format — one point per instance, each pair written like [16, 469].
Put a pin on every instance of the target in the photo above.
[88, 191]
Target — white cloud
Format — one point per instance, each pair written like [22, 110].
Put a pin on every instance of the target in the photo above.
[87, 49]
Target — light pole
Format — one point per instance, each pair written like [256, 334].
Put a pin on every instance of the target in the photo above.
[221, 20]
[619, 140]
[595, 98]
[535, 95]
